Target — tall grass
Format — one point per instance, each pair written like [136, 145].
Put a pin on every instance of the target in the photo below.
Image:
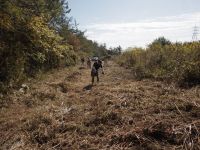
[173, 62]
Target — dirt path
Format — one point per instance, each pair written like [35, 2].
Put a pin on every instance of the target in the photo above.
[62, 111]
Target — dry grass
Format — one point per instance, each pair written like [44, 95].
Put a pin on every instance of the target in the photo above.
[62, 111]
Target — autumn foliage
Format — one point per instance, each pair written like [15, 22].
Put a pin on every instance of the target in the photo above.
[36, 36]
[163, 60]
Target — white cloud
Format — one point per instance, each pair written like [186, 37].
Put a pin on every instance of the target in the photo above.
[175, 28]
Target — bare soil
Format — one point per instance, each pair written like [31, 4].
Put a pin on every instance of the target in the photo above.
[62, 110]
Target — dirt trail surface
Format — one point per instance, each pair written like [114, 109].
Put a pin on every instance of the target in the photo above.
[63, 111]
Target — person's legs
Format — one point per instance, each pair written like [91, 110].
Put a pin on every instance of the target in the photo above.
[92, 80]
[97, 77]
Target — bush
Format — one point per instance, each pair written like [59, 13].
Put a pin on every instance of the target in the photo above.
[163, 60]
[28, 46]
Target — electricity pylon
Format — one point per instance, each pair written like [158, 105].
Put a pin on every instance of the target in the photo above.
[195, 33]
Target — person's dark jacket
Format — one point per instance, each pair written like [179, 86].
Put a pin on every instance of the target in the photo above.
[97, 65]
[95, 68]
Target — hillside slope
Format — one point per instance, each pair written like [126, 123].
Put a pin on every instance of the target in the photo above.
[63, 111]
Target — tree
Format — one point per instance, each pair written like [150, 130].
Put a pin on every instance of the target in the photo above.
[161, 41]
[115, 50]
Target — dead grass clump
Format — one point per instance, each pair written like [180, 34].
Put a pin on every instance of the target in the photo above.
[71, 128]
[12, 142]
[160, 132]
[29, 102]
[5, 101]
[81, 68]
[133, 140]
[128, 139]
[186, 136]
[192, 109]
[46, 132]
[186, 108]
[63, 128]
[73, 76]
[97, 131]
[109, 103]
[111, 119]
[63, 87]
[38, 98]
[196, 113]
[39, 129]
[44, 96]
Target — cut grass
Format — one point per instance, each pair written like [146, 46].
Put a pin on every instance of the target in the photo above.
[117, 113]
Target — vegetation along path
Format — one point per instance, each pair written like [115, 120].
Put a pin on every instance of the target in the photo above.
[62, 111]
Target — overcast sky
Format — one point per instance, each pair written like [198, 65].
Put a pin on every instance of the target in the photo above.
[136, 22]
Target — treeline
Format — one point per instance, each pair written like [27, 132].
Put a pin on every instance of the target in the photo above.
[164, 60]
[39, 35]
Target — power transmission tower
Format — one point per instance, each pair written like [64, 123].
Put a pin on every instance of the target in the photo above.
[195, 33]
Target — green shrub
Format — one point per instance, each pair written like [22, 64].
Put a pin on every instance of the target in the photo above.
[163, 60]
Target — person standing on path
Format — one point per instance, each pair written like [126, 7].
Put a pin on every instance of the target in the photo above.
[82, 61]
[95, 70]
[89, 63]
